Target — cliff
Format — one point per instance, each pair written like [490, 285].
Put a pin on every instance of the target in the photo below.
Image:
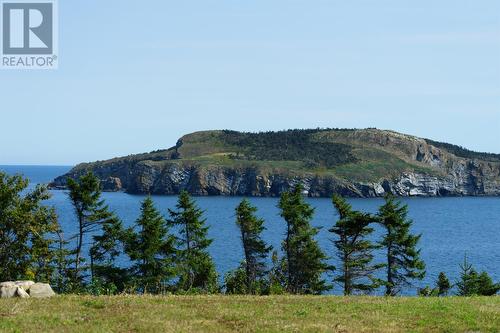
[356, 163]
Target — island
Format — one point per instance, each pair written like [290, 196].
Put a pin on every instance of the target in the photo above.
[350, 162]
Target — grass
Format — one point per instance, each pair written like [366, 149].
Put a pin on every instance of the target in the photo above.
[375, 164]
[250, 314]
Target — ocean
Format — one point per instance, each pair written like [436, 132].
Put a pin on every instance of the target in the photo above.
[451, 227]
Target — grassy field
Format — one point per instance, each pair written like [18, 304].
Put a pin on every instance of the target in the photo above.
[250, 314]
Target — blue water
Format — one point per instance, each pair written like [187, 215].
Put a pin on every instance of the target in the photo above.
[450, 227]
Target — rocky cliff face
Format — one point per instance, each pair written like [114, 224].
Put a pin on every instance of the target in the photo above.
[446, 174]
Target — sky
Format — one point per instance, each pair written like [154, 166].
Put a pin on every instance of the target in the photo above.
[134, 76]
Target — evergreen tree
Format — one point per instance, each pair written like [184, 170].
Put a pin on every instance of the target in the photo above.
[277, 275]
[354, 249]
[91, 213]
[107, 247]
[254, 248]
[471, 283]
[151, 249]
[443, 284]
[196, 267]
[467, 284]
[61, 280]
[27, 227]
[403, 257]
[486, 286]
[304, 259]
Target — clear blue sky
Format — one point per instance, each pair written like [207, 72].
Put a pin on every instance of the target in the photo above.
[136, 75]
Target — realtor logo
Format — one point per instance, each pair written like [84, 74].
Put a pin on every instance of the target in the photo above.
[29, 34]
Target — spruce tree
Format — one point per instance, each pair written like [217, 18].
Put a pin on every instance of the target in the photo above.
[195, 265]
[151, 249]
[91, 213]
[467, 284]
[354, 250]
[304, 259]
[107, 247]
[64, 260]
[254, 248]
[486, 286]
[443, 284]
[277, 275]
[472, 283]
[403, 257]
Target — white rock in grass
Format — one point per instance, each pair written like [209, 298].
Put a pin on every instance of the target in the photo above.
[7, 284]
[41, 290]
[8, 291]
[21, 293]
[24, 284]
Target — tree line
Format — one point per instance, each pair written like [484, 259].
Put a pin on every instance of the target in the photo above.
[291, 145]
[170, 254]
[464, 152]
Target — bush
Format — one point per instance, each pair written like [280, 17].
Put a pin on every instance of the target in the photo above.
[428, 292]
[291, 145]
[235, 282]
[98, 287]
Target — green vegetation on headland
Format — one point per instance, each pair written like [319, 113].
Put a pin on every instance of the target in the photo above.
[299, 146]
[313, 148]
[350, 162]
[464, 152]
[332, 151]
[250, 314]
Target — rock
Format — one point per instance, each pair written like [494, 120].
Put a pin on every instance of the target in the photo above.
[41, 290]
[7, 284]
[8, 291]
[21, 293]
[379, 189]
[24, 284]
[111, 184]
[25, 289]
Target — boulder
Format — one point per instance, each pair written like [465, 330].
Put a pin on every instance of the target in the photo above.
[24, 284]
[21, 293]
[25, 289]
[41, 290]
[8, 291]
